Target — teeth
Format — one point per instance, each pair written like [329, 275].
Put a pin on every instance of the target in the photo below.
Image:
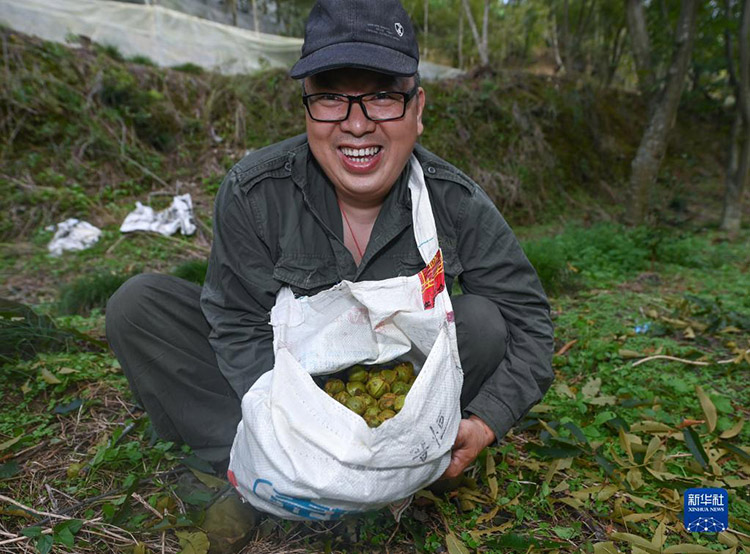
[361, 152]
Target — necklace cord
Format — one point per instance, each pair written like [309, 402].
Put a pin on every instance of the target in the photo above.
[354, 238]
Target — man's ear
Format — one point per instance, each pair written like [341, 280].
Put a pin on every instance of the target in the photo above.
[420, 108]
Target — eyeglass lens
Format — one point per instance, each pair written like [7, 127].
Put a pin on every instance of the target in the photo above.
[378, 106]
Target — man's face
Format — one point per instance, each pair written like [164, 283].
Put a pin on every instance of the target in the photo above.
[363, 158]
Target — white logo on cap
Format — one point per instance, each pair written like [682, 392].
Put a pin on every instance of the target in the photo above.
[399, 29]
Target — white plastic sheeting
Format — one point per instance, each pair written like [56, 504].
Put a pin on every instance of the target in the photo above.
[165, 36]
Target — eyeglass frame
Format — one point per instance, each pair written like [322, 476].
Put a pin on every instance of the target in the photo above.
[408, 95]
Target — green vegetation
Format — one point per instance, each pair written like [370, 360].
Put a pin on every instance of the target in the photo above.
[652, 324]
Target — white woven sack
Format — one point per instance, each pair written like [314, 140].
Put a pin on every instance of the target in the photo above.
[298, 453]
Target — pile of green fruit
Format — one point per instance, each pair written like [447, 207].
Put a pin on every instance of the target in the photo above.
[376, 393]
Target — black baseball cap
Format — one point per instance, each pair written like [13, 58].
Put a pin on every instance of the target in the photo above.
[367, 34]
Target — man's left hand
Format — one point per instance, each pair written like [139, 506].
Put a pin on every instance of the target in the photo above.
[473, 436]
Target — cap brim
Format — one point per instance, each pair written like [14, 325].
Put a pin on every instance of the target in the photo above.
[355, 54]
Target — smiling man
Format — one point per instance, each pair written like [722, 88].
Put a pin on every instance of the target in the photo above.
[323, 207]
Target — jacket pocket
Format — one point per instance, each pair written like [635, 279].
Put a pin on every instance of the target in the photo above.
[306, 274]
[412, 263]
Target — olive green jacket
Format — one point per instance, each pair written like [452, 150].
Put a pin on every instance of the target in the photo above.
[277, 223]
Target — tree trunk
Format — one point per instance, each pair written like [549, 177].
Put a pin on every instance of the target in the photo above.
[256, 23]
[556, 45]
[484, 57]
[645, 165]
[739, 149]
[426, 26]
[460, 39]
[641, 47]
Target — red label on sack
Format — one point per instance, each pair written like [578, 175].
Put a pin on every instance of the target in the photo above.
[432, 278]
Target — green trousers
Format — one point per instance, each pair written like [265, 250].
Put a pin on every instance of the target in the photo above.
[156, 328]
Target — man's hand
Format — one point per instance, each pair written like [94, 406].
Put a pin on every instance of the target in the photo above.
[473, 435]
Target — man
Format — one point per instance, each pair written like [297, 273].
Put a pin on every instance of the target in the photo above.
[331, 205]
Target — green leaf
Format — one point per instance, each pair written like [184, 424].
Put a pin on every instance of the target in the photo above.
[735, 450]
[455, 545]
[693, 442]
[576, 432]
[9, 469]
[64, 532]
[63, 409]
[605, 464]
[603, 417]
[565, 532]
[32, 532]
[193, 543]
[44, 544]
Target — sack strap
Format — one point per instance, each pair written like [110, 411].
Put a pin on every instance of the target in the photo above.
[432, 277]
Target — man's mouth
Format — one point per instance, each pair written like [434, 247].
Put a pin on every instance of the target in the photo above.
[361, 155]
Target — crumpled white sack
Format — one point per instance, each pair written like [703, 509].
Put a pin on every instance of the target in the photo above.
[72, 234]
[177, 217]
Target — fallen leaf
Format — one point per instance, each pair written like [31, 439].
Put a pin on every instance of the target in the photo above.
[567, 346]
[7, 444]
[635, 540]
[734, 431]
[455, 545]
[687, 549]
[193, 543]
[709, 410]
[49, 377]
[591, 388]
[491, 475]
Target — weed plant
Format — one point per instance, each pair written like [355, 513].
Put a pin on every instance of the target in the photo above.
[193, 271]
[89, 292]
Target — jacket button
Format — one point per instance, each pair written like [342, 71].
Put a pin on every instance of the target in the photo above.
[288, 166]
[430, 170]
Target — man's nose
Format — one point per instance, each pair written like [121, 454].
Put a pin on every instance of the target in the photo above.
[357, 124]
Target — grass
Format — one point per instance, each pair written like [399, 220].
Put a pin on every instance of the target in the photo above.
[601, 463]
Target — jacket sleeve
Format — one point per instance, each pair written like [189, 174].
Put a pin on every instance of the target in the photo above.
[239, 290]
[496, 268]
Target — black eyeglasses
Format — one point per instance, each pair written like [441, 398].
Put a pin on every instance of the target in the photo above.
[330, 107]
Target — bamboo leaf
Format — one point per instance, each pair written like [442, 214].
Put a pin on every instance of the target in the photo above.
[49, 377]
[653, 446]
[658, 539]
[635, 478]
[709, 410]
[735, 450]
[7, 444]
[455, 545]
[491, 475]
[625, 443]
[576, 432]
[693, 442]
[635, 540]
[688, 549]
[605, 548]
[734, 431]
[651, 427]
